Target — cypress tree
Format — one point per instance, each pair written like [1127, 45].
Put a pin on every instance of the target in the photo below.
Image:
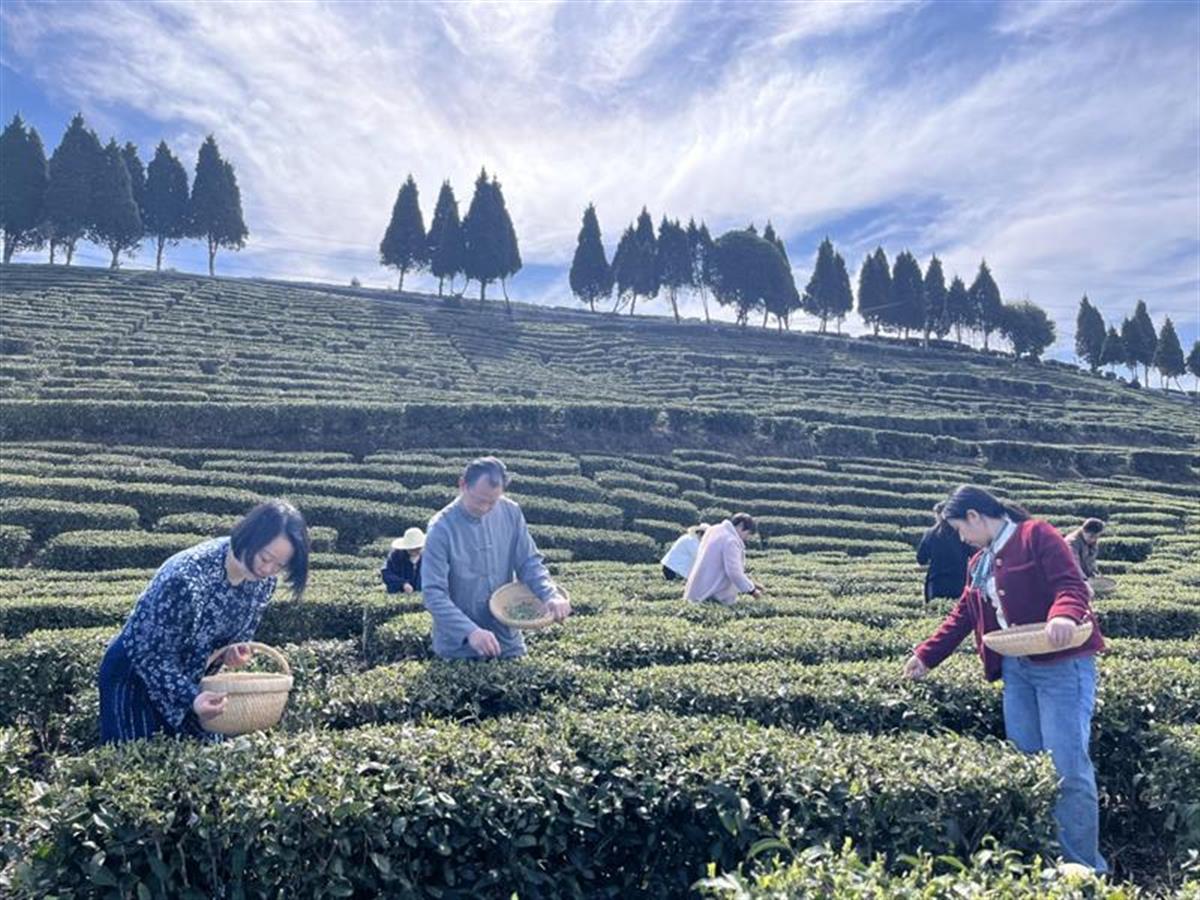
[484, 237]
[1147, 338]
[508, 236]
[700, 243]
[986, 305]
[874, 288]
[843, 294]
[783, 317]
[404, 245]
[958, 308]
[673, 261]
[1193, 362]
[591, 277]
[1113, 352]
[645, 262]
[907, 309]
[1168, 354]
[24, 175]
[74, 168]
[166, 201]
[818, 298]
[447, 251]
[624, 267]
[934, 291]
[1089, 334]
[215, 211]
[115, 220]
[137, 176]
[1132, 339]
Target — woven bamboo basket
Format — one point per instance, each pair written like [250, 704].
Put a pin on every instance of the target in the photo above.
[1031, 640]
[254, 701]
[517, 606]
[1102, 585]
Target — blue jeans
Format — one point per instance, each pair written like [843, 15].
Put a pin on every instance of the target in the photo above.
[1048, 706]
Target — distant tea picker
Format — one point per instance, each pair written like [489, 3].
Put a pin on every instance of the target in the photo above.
[678, 561]
[401, 572]
[719, 572]
[200, 600]
[1084, 542]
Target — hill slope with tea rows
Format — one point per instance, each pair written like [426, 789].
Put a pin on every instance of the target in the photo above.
[646, 738]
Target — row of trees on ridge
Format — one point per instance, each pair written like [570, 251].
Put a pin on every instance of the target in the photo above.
[104, 194]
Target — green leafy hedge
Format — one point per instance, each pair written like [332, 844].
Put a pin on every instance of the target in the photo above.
[152, 501]
[93, 550]
[600, 805]
[817, 873]
[642, 505]
[15, 542]
[46, 518]
[589, 543]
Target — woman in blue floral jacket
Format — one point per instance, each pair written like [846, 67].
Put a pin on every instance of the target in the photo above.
[203, 598]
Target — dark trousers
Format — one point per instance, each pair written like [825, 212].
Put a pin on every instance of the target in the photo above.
[670, 574]
[126, 711]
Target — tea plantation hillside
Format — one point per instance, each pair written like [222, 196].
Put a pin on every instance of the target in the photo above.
[644, 741]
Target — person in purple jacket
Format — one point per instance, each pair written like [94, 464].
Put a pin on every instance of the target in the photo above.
[1025, 573]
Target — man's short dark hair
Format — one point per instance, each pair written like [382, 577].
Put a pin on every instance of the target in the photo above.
[1093, 526]
[262, 525]
[744, 521]
[486, 467]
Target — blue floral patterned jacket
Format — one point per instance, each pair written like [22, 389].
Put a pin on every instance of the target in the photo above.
[189, 610]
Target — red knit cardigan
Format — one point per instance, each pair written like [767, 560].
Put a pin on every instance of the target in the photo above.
[1037, 578]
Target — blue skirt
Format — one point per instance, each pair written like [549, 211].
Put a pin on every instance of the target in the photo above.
[126, 710]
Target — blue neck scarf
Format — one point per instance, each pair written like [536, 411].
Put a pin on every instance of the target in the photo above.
[987, 562]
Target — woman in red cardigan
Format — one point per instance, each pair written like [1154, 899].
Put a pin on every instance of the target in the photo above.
[1025, 573]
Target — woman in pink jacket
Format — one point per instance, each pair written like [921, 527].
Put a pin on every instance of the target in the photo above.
[1024, 573]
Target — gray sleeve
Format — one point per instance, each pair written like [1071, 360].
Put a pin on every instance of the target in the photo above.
[528, 562]
[435, 580]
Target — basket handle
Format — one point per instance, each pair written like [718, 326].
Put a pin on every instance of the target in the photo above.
[257, 648]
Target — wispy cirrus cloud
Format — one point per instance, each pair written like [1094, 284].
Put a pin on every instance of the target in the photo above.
[1058, 140]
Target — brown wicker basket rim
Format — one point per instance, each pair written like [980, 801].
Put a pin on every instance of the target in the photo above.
[1031, 640]
[516, 591]
[247, 683]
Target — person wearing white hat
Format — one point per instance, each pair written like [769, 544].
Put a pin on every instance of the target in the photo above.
[402, 571]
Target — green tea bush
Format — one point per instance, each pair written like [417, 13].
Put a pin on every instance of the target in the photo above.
[597, 805]
[15, 542]
[817, 873]
[46, 518]
[91, 550]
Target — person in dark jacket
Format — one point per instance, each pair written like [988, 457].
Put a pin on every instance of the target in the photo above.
[946, 556]
[402, 570]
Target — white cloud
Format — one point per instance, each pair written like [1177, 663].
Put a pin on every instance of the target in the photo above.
[1068, 160]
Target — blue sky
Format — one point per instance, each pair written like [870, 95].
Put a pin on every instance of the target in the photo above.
[1060, 140]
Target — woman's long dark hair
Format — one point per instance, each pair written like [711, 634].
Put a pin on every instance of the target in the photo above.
[262, 525]
[967, 497]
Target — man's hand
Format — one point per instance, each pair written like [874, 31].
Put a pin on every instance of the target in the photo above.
[484, 643]
[758, 591]
[408, 588]
[208, 705]
[914, 669]
[237, 656]
[559, 607]
[1060, 630]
